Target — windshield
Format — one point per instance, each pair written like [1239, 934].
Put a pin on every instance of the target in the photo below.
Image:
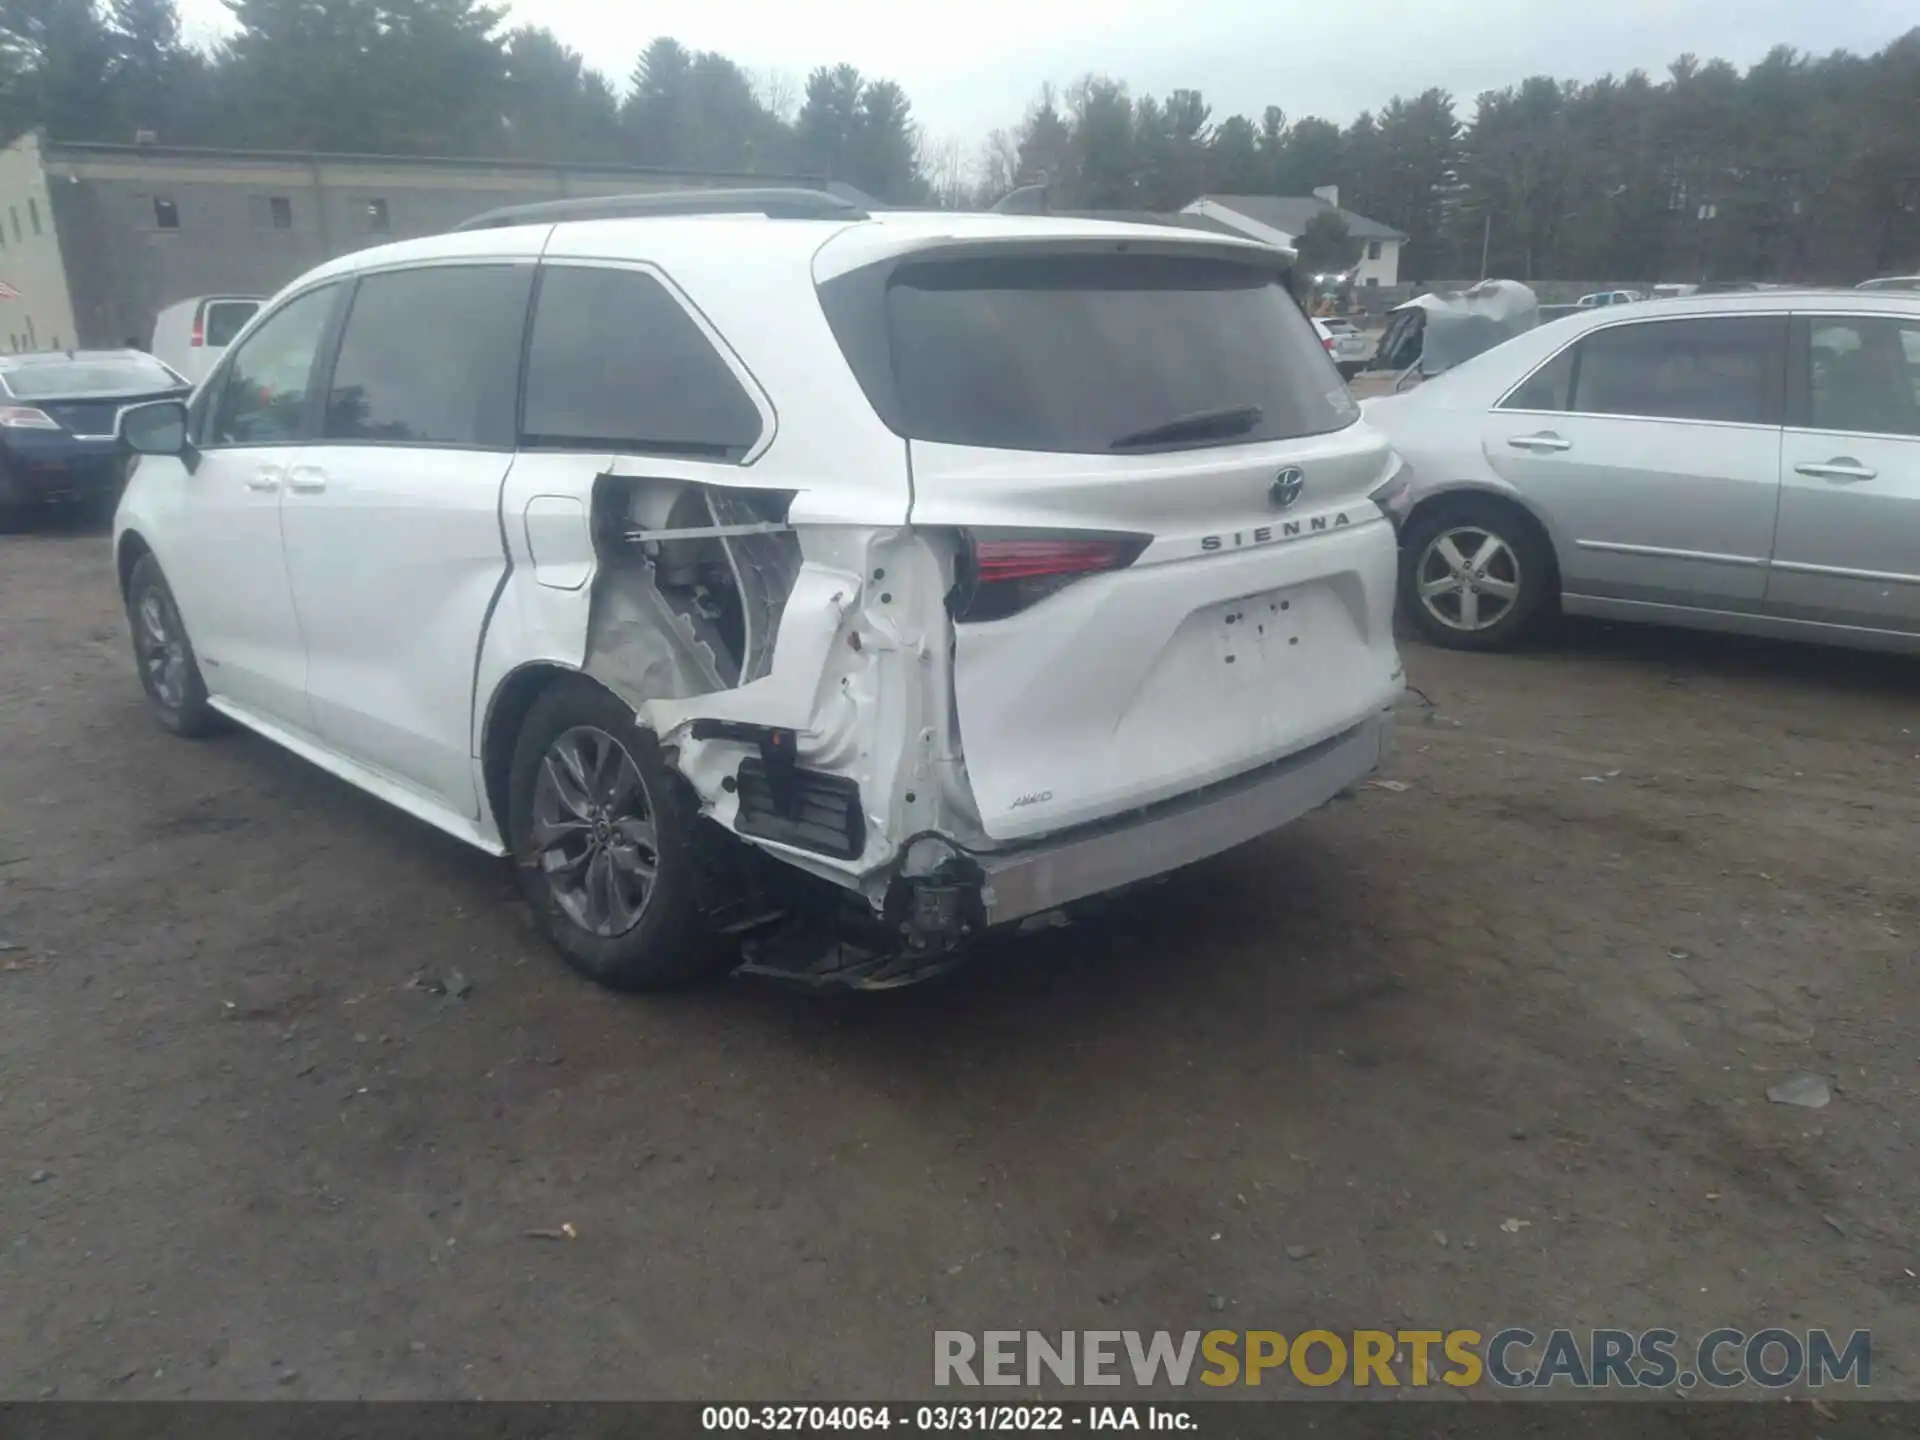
[1082, 353]
[77, 379]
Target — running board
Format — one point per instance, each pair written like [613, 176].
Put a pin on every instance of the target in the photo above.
[400, 796]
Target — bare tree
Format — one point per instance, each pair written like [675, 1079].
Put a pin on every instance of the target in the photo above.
[778, 93]
[945, 172]
[999, 165]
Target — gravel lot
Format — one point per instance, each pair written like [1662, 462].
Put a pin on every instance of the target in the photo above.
[1633, 879]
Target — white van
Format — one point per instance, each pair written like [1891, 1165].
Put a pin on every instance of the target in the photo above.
[849, 582]
[192, 335]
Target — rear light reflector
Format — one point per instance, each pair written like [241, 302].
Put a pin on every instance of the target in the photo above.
[1003, 574]
[1394, 495]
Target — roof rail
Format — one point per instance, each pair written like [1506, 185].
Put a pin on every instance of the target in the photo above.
[1027, 200]
[781, 203]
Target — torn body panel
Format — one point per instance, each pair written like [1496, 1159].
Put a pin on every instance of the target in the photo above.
[860, 680]
[799, 679]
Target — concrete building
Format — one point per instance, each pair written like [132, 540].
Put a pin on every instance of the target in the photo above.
[1279, 219]
[95, 240]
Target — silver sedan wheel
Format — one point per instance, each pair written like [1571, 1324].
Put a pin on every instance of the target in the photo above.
[1468, 578]
[163, 650]
[593, 831]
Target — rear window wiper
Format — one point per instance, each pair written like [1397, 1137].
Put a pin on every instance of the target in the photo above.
[1200, 425]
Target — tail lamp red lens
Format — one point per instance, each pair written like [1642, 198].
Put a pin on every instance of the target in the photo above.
[1005, 574]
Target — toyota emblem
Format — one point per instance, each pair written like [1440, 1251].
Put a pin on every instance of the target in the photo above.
[1287, 486]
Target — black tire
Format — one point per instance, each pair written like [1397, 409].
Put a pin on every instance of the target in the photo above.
[671, 942]
[171, 677]
[1523, 560]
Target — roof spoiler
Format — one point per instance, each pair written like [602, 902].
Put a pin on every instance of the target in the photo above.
[776, 203]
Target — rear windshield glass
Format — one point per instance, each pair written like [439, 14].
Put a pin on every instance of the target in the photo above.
[225, 318]
[1087, 353]
[77, 378]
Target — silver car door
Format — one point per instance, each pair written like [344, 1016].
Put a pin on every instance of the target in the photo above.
[1653, 449]
[1848, 547]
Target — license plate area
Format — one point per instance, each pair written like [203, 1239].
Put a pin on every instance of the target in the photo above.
[1260, 636]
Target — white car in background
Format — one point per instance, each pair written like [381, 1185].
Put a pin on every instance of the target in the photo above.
[1348, 347]
[192, 335]
[857, 581]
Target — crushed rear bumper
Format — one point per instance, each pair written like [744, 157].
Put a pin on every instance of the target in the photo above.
[926, 924]
[1113, 854]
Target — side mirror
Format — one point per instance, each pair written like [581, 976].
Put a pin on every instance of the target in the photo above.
[156, 428]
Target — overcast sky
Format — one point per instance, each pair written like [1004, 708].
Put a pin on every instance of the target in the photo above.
[973, 66]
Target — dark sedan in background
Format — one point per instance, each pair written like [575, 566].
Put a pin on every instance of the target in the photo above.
[58, 418]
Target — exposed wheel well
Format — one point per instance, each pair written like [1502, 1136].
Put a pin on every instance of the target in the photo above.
[511, 702]
[132, 547]
[1454, 500]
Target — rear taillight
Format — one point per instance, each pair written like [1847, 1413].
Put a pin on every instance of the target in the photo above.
[1003, 573]
[1394, 495]
[199, 335]
[1328, 344]
[25, 417]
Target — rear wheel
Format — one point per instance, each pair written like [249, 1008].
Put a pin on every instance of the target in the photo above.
[601, 832]
[1473, 574]
[169, 673]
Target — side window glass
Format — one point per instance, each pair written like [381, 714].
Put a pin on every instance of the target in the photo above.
[617, 363]
[431, 357]
[1863, 375]
[225, 319]
[263, 400]
[1547, 388]
[1720, 369]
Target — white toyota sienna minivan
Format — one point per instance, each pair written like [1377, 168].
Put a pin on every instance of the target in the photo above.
[770, 578]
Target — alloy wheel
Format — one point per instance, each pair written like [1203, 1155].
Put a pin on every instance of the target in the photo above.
[1468, 578]
[163, 648]
[593, 831]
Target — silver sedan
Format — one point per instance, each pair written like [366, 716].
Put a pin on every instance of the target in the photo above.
[1739, 462]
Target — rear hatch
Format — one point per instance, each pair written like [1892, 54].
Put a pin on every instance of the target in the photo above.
[1171, 571]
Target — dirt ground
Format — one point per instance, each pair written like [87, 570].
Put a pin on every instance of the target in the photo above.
[1633, 879]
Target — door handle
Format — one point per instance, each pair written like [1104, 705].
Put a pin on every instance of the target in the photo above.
[1547, 440]
[1842, 469]
[266, 481]
[306, 479]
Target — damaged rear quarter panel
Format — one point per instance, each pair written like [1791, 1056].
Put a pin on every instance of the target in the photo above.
[858, 668]
[861, 675]
[841, 467]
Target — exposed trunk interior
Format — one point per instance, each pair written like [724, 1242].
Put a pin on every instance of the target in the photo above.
[690, 587]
